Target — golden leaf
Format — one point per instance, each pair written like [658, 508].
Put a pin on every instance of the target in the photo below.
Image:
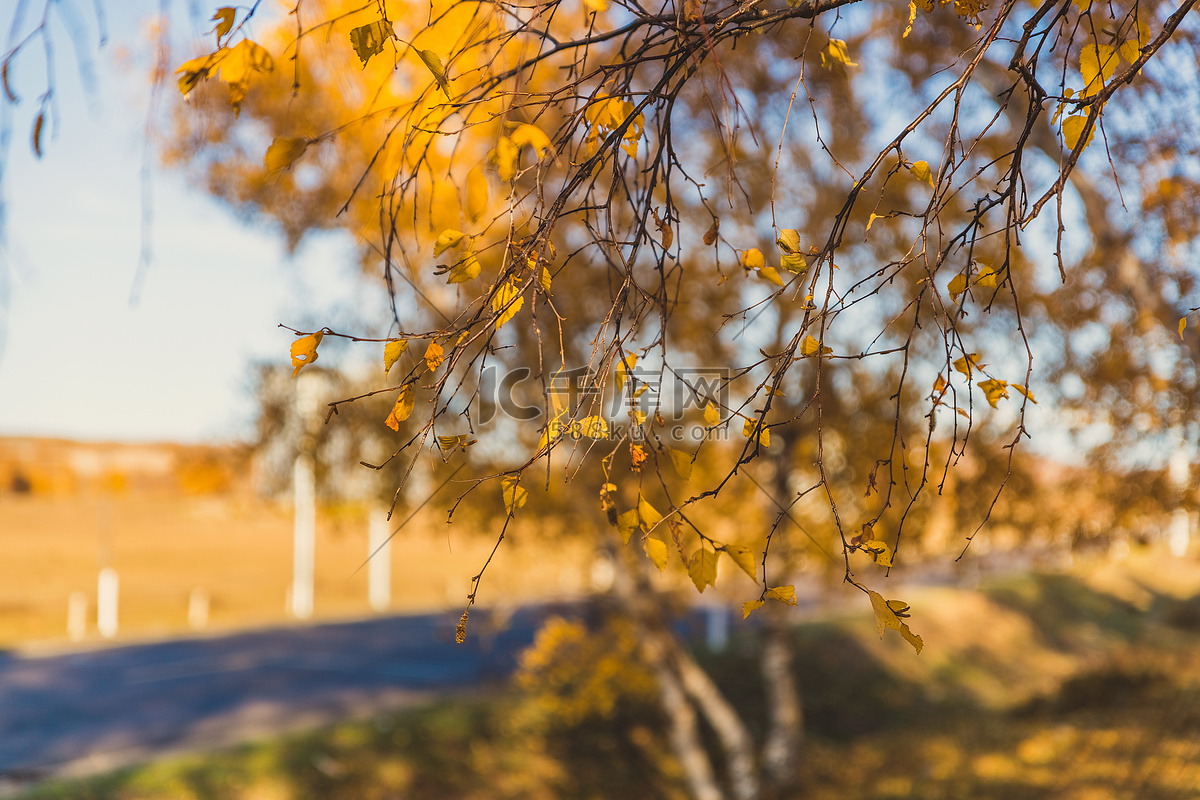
[784, 594]
[1097, 64]
[477, 194]
[434, 64]
[968, 363]
[885, 617]
[811, 347]
[304, 351]
[447, 240]
[1130, 51]
[434, 356]
[656, 551]
[637, 457]
[994, 390]
[392, 352]
[369, 40]
[623, 368]
[702, 569]
[514, 496]
[506, 302]
[403, 408]
[744, 558]
[751, 606]
[507, 157]
[682, 463]
[764, 433]
[957, 286]
[648, 514]
[871, 220]
[986, 278]
[879, 552]
[921, 172]
[467, 268]
[627, 523]
[712, 416]
[532, 136]
[788, 241]
[224, 19]
[1028, 394]
[1182, 325]
[1072, 130]
[283, 153]
[769, 273]
[545, 279]
[753, 259]
[836, 52]
[241, 60]
[593, 427]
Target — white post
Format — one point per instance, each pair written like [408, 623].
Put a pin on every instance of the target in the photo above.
[77, 605]
[304, 491]
[106, 603]
[198, 609]
[716, 629]
[379, 569]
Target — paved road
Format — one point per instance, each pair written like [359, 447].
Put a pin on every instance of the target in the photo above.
[93, 710]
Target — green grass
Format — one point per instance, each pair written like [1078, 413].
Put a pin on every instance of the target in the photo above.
[1037, 687]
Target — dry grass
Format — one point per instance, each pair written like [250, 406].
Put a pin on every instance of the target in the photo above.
[163, 545]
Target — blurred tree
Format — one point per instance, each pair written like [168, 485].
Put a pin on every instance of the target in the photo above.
[765, 276]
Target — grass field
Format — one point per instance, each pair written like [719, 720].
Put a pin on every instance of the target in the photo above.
[1072, 686]
[240, 551]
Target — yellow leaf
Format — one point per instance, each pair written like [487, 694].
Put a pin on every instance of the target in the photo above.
[532, 136]
[1072, 129]
[885, 617]
[1143, 37]
[921, 172]
[1130, 51]
[597, 5]
[836, 52]
[958, 285]
[593, 427]
[879, 552]
[994, 390]
[764, 433]
[788, 241]
[448, 443]
[434, 356]
[744, 558]
[369, 40]
[986, 278]
[791, 258]
[546, 278]
[751, 606]
[967, 363]
[623, 368]
[477, 194]
[506, 302]
[627, 523]
[224, 19]
[467, 268]
[197, 69]
[871, 220]
[283, 153]
[507, 157]
[392, 352]
[712, 416]
[434, 63]
[1097, 64]
[702, 568]
[514, 496]
[753, 259]
[648, 514]
[811, 347]
[682, 463]
[304, 351]
[1182, 325]
[239, 63]
[447, 240]
[403, 408]
[656, 551]
[784, 594]
[1028, 394]
[769, 273]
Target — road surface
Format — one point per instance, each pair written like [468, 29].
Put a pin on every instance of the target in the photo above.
[93, 710]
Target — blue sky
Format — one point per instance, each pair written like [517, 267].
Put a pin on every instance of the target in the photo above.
[79, 360]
